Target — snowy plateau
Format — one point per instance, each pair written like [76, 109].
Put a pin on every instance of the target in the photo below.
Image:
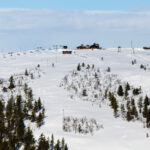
[76, 101]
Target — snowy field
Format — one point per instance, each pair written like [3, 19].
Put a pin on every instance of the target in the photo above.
[116, 134]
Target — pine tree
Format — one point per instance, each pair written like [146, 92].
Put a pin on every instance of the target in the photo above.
[79, 67]
[43, 144]
[39, 104]
[28, 139]
[32, 77]
[108, 69]
[9, 108]
[148, 118]
[127, 86]
[145, 107]
[30, 95]
[63, 144]
[66, 147]
[11, 83]
[83, 65]
[136, 91]
[140, 104]
[26, 73]
[96, 75]
[134, 111]
[39, 119]
[93, 66]
[25, 88]
[2, 120]
[84, 93]
[57, 146]
[4, 89]
[33, 116]
[38, 65]
[25, 110]
[126, 93]
[113, 103]
[35, 109]
[20, 129]
[115, 107]
[128, 116]
[120, 91]
[52, 142]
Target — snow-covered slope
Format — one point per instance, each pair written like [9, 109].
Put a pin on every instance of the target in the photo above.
[116, 133]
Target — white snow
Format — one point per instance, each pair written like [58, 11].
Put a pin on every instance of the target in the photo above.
[117, 134]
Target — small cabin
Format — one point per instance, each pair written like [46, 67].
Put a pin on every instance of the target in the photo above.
[93, 46]
[66, 52]
[147, 48]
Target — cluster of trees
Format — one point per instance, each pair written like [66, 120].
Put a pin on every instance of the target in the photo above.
[80, 125]
[14, 115]
[143, 67]
[134, 62]
[125, 100]
[125, 92]
[131, 110]
[113, 103]
[79, 66]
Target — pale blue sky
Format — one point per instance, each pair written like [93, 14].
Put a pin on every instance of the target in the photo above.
[75, 4]
[27, 24]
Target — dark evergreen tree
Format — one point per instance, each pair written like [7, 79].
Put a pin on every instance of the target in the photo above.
[83, 65]
[127, 87]
[39, 104]
[128, 116]
[84, 93]
[11, 83]
[63, 144]
[113, 103]
[26, 73]
[140, 104]
[20, 129]
[126, 93]
[93, 66]
[145, 107]
[28, 139]
[148, 118]
[39, 119]
[33, 116]
[108, 69]
[52, 142]
[66, 147]
[2, 121]
[25, 88]
[136, 91]
[43, 144]
[57, 146]
[32, 77]
[9, 108]
[120, 91]
[79, 67]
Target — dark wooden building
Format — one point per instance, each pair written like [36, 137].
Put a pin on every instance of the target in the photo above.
[93, 46]
[66, 52]
[147, 48]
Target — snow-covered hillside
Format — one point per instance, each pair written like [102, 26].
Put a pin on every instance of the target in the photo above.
[108, 132]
